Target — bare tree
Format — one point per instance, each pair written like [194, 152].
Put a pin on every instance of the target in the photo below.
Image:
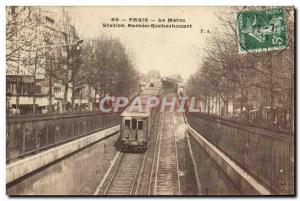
[245, 79]
[68, 63]
[108, 67]
[20, 36]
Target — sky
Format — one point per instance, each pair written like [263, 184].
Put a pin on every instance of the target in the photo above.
[171, 51]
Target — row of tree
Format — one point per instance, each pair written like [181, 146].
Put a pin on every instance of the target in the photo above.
[42, 47]
[109, 68]
[245, 80]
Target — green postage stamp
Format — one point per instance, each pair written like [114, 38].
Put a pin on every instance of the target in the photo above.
[261, 30]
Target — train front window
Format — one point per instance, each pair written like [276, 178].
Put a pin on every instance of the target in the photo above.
[140, 125]
[134, 121]
[127, 123]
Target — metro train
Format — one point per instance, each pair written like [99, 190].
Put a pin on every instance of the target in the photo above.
[136, 125]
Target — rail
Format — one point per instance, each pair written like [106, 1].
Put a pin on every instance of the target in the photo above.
[124, 178]
[267, 155]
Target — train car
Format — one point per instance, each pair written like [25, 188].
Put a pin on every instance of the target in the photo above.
[136, 125]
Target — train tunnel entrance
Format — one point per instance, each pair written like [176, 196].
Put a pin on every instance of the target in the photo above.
[169, 84]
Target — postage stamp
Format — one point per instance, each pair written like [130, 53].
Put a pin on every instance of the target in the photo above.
[261, 30]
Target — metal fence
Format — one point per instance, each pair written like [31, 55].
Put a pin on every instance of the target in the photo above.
[267, 155]
[278, 123]
[32, 134]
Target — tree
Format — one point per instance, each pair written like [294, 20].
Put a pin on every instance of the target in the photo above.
[109, 67]
[245, 78]
[69, 61]
[21, 26]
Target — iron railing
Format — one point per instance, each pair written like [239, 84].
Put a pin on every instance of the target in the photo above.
[258, 121]
[29, 135]
[267, 155]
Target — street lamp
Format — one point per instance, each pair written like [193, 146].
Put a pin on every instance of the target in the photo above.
[78, 44]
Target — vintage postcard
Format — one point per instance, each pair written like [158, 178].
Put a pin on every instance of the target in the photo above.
[150, 101]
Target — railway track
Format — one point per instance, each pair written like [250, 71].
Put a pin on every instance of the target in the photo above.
[154, 172]
[166, 170]
[145, 187]
[124, 177]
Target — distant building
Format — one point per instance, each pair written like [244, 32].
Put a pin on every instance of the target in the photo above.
[20, 99]
[152, 78]
[50, 48]
[20, 91]
[84, 98]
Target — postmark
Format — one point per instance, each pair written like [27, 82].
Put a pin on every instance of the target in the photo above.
[261, 30]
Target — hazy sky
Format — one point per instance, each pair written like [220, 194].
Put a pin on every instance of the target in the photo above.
[171, 51]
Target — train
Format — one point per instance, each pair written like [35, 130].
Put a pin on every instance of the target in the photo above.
[136, 125]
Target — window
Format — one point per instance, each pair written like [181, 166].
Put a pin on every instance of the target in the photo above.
[127, 123]
[134, 121]
[140, 125]
[57, 90]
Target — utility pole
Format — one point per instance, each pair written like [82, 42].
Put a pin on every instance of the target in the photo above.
[17, 82]
[34, 80]
[18, 65]
[75, 54]
[50, 84]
